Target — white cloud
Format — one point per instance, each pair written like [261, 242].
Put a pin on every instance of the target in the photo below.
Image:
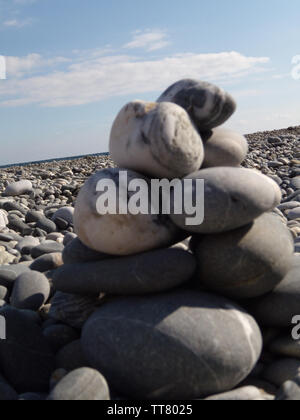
[150, 40]
[21, 66]
[17, 23]
[96, 78]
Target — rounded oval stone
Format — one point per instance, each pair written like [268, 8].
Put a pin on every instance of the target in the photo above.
[180, 345]
[83, 384]
[150, 272]
[18, 188]
[278, 308]
[31, 290]
[120, 234]
[158, 140]
[247, 262]
[208, 105]
[65, 213]
[233, 197]
[223, 147]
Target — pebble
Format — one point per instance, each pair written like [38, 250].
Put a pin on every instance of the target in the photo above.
[26, 244]
[117, 234]
[223, 147]
[248, 393]
[151, 272]
[168, 346]
[81, 385]
[47, 262]
[233, 197]
[8, 274]
[207, 104]
[257, 257]
[65, 213]
[290, 390]
[158, 140]
[18, 188]
[25, 357]
[31, 290]
[46, 247]
[3, 220]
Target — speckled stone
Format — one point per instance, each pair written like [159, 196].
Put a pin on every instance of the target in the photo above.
[247, 393]
[120, 234]
[223, 147]
[233, 197]
[247, 262]
[180, 345]
[207, 104]
[158, 140]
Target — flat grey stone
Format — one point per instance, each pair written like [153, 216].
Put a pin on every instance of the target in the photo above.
[151, 272]
[233, 197]
[278, 308]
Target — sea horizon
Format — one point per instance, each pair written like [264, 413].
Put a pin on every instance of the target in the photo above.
[37, 162]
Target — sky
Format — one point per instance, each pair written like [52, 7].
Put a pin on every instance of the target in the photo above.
[71, 65]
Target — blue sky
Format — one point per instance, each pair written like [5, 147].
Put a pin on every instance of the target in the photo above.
[72, 64]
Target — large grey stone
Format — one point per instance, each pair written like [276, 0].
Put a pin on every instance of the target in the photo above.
[247, 262]
[233, 197]
[104, 231]
[81, 385]
[151, 272]
[207, 104]
[180, 345]
[278, 308]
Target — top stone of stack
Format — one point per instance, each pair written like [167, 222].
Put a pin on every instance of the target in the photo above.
[207, 105]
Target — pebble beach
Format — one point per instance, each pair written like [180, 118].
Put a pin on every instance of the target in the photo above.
[184, 314]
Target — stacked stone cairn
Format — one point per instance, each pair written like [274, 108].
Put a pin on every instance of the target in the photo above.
[149, 307]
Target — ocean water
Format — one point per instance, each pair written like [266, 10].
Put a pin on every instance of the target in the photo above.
[52, 160]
